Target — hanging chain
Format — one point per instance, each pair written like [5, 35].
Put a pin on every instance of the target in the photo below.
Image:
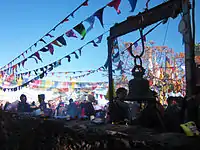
[139, 57]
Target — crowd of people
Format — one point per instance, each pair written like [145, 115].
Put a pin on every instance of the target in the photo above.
[152, 115]
[72, 110]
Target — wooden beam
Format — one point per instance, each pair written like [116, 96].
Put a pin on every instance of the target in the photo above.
[166, 10]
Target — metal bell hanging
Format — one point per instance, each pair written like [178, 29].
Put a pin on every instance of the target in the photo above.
[139, 87]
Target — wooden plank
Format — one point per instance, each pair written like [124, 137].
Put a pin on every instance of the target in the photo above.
[166, 10]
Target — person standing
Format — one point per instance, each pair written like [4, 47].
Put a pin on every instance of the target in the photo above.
[23, 106]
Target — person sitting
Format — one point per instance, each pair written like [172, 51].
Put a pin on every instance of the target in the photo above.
[33, 106]
[22, 105]
[120, 109]
[72, 109]
[89, 109]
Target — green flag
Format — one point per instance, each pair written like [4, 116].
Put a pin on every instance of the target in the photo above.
[80, 29]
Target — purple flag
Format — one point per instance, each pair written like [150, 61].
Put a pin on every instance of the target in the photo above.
[99, 39]
[99, 15]
[71, 33]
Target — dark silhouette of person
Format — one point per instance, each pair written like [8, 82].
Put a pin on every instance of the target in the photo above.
[41, 99]
[120, 109]
[23, 106]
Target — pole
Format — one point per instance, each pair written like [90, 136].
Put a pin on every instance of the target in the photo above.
[189, 51]
[110, 75]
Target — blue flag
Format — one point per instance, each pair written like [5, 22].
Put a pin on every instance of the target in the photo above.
[133, 4]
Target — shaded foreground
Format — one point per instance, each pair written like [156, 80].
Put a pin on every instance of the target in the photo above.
[27, 133]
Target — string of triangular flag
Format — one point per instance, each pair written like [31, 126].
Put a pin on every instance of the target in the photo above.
[59, 74]
[89, 73]
[49, 84]
[40, 76]
[80, 28]
[68, 57]
[48, 34]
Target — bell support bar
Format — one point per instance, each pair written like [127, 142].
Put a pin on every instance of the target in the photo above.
[163, 11]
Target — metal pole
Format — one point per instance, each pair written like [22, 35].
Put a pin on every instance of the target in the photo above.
[110, 75]
[189, 51]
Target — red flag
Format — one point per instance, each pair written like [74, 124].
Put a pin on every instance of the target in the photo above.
[85, 3]
[115, 4]
[38, 55]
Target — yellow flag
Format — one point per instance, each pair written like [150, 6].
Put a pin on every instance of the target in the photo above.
[48, 83]
[73, 85]
[19, 81]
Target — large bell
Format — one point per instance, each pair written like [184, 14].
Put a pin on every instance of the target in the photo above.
[139, 87]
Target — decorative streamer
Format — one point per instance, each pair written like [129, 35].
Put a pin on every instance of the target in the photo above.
[79, 28]
[57, 62]
[115, 4]
[99, 15]
[55, 42]
[71, 33]
[85, 3]
[133, 4]
[91, 21]
[51, 49]
[61, 40]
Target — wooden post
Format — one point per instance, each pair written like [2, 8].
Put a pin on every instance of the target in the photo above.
[110, 75]
[189, 51]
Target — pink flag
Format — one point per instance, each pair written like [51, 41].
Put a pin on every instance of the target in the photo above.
[71, 33]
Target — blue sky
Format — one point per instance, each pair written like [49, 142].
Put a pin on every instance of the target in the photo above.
[24, 22]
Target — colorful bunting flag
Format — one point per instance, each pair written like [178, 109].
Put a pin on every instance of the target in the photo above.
[116, 57]
[99, 39]
[55, 42]
[115, 4]
[99, 15]
[23, 62]
[80, 29]
[76, 56]
[133, 4]
[65, 20]
[44, 49]
[106, 64]
[85, 3]
[38, 55]
[91, 21]
[48, 34]
[42, 41]
[68, 57]
[71, 33]
[51, 49]
[94, 43]
[61, 40]
[135, 44]
[167, 61]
